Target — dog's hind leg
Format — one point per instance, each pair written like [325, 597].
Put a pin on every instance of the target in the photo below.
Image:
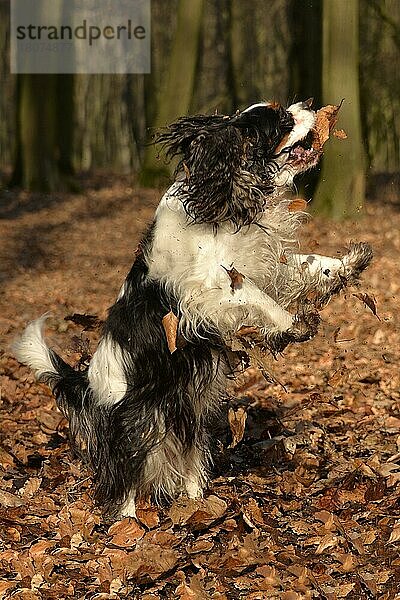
[128, 508]
[196, 472]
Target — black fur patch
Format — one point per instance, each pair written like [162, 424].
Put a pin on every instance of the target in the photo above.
[116, 439]
[228, 162]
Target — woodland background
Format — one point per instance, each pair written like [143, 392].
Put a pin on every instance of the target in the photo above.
[212, 55]
[307, 504]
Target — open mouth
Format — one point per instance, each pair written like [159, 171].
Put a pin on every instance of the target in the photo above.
[302, 155]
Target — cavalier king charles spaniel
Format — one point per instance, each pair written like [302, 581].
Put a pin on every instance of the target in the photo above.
[140, 414]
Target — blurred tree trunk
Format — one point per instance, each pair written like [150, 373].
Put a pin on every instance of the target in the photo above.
[380, 89]
[44, 142]
[260, 38]
[65, 122]
[341, 189]
[177, 87]
[305, 63]
[36, 165]
[305, 66]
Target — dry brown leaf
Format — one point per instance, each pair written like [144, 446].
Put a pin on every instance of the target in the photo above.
[328, 541]
[125, 533]
[237, 422]
[149, 560]
[6, 460]
[197, 513]
[9, 500]
[170, 323]
[253, 513]
[187, 172]
[269, 575]
[348, 561]
[148, 516]
[290, 596]
[212, 509]
[339, 376]
[368, 301]
[183, 591]
[282, 259]
[326, 119]
[343, 590]
[340, 134]
[327, 519]
[395, 534]
[235, 277]
[376, 490]
[31, 487]
[87, 322]
[200, 545]
[297, 205]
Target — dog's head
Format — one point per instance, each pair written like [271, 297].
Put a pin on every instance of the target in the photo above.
[232, 164]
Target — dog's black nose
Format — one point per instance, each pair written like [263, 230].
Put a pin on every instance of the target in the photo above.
[307, 104]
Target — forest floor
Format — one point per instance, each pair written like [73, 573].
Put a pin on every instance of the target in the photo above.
[307, 505]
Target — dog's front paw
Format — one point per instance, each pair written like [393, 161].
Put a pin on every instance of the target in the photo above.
[356, 260]
[353, 264]
[304, 327]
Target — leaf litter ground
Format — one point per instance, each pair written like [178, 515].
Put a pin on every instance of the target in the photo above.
[306, 505]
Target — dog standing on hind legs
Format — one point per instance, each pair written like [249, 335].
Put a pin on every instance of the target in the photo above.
[139, 414]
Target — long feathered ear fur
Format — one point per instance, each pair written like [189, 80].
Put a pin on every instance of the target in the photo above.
[227, 162]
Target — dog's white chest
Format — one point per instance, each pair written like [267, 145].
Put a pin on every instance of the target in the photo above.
[182, 251]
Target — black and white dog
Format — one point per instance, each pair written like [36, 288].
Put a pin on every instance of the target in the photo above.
[140, 414]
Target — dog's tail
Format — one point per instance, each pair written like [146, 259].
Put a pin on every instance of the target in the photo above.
[32, 350]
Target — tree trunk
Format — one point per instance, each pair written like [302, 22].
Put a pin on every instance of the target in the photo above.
[65, 122]
[44, 142]
[305, 66]
[341, 189]
[36, 165]
[177, 88]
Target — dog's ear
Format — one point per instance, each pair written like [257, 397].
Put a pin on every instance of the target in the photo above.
[212, 152]
[266, 124]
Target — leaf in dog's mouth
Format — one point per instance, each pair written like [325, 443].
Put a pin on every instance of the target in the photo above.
[326, 119]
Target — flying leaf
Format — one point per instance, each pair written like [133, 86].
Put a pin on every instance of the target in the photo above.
[170, 323]
[297, 204]
[187, 172]
[326, 120]
[237, 422]
[252, 333]
[87, 322]
[282, 259]
[282, 143]
[368, 301]
[236, 278]
[340, 134]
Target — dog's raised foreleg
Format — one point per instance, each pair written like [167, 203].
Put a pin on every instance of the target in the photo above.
[231, 304]
[327, 276]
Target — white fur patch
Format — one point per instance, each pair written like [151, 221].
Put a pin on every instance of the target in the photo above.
[257, 105]
[31, 349]
[129, 507]
[106, 372]
[192, 261]
[304, 120]
[315, 265]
